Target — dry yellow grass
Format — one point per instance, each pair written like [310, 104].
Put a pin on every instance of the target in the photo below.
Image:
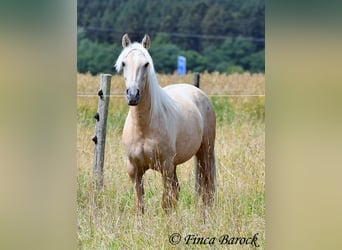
[107, 220]
[212, 84]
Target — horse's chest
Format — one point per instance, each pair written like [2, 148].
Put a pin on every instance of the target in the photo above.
[142, 150]
[146, 152]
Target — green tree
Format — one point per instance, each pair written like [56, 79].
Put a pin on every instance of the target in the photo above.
[94, 57]
[165, 57]
[256, 61]
[212, 34]
[195, 62]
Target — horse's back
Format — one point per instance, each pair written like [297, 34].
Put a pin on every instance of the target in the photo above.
[190, 95]
[183, 90]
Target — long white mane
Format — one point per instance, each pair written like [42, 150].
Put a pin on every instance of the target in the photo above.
[162, 106]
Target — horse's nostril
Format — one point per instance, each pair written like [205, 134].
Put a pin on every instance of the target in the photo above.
[133, 93]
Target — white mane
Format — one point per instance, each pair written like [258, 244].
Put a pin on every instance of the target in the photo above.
[161, 104]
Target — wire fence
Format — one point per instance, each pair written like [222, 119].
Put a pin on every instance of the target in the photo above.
[210, 95]
[117, 140]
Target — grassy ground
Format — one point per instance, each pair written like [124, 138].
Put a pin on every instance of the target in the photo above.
[107, 220]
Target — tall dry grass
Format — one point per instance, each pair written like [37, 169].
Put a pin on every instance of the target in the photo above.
[107, 220]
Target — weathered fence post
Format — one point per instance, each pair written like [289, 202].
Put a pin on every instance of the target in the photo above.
[100, 130]
[197, 79]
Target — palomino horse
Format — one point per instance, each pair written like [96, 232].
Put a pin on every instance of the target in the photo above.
[165, 127]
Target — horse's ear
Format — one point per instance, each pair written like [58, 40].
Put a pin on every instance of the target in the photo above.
[125, 40]
[146, 43]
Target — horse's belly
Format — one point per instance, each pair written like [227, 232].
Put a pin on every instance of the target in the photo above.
[189, 139]
[183, 157]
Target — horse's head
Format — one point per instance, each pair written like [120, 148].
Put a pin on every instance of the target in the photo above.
[135, 65]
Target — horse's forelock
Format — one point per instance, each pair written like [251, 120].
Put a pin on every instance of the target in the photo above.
[127, 50]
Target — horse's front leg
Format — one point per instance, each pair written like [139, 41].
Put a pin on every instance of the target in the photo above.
[136, 177]
[171, 187]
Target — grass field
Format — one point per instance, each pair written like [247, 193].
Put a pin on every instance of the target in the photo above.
[107, 220]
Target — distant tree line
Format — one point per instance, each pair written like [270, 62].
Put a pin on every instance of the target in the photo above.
[213, 35]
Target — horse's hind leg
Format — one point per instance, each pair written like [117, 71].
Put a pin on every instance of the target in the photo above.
[206, 172]
[171, 187]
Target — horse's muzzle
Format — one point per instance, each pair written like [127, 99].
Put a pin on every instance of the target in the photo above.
[133, 96]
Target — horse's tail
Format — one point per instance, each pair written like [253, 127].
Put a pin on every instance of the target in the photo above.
[205, 156]
[205, 167]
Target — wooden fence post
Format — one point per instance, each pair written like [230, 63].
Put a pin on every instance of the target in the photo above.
[100, 130]
[197, 79]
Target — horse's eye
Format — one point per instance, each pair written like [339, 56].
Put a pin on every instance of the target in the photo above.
[123, 64]
[146, 64]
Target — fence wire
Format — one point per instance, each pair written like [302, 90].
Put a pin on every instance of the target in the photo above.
[211, 95]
